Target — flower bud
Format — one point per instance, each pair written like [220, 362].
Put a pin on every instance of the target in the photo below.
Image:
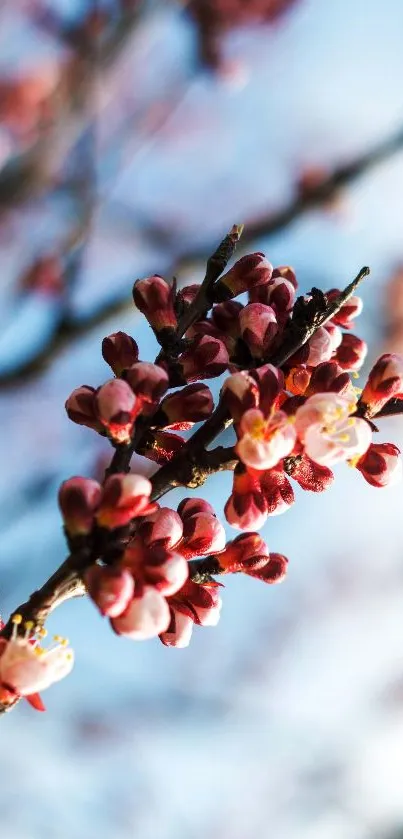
[287, 273]
[179, 631]
[201, 602]
[328, 376]
[297, 379]
[163, 528]
[264, 441]
[155, 300]
[78, 501]
[146, 616]
[225, 317]
[249, 271]
[117, 408]
[239, 393]
[385, 381]
[124, 497]
[351, 353]
[277, 491]
[350, 310]
[148, 381]
[245, 553]
[258, 328]
[336, 335]
[111, 589]
[203, 534]
[279, 293]
[206, 358]
[381, 465]
[186, 295]
[193, 403]
[191, 506]
[81, 408]
[166, 570]
[274, 571]
[246, 508]
[120, 351]
[271, 382]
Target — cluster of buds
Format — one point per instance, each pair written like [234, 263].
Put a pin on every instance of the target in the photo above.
[151, 569]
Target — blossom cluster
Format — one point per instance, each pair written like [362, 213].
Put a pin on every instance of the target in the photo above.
[149, 569]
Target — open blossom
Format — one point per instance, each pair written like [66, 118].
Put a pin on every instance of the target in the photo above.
[26, 668]
[117, 408]
[385, 381]
[328, 433]
[119, 351]
[258, 328]
[249, 271]
[381, 465]
[263, 441]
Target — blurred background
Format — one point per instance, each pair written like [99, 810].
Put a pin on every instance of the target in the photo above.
[132, 136]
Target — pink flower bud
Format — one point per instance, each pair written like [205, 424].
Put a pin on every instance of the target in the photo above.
[186, 295]
[309, 475]
[117, 408]
[279, 293]
[78, 501]
[274, 571]
[351, 309]
[191, 506]
[245, 553]
[328, 432]
[111, 589]
[163, 528]
[263, 442]
[351, 353]
[381, 465]
[124, 497]
[205, 359]
[320, 347]
[297, 379]
[225, 317]
[239, 393]
[193, 403]
[148, 381]
[203, 534]
[246, 508]
[146, 616]
[179, 631]
[204, 327]
[336, 335]
[200, 602]
[119, 351]
[163, 447]
[248, 272]
[385, 381]
[166, 570]
[277, 491]
[258, 328]
[81, 408]
[328, 376]
[271, 382]
[287, 273]
[155, 299]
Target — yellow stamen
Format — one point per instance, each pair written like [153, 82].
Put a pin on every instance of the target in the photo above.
[344, 438]
[16, 619]
[29, 625]
[354, 460]
[42, 632]
[355, 375]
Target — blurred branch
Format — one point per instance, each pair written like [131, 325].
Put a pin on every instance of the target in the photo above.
[70, 327]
